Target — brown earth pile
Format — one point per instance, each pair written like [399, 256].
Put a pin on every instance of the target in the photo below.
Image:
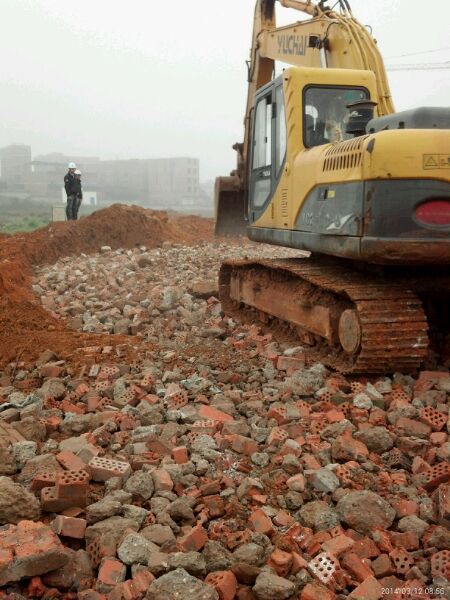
[25, 327]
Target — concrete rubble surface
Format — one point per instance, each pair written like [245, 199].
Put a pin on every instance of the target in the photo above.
[209, 466]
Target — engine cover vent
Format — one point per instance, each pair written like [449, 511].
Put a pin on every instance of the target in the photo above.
[344, 155]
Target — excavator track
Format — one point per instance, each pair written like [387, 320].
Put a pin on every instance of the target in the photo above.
[358, 323]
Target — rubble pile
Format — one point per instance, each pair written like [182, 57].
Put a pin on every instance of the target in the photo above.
[218, 463]
[25, 328]
[155, 293]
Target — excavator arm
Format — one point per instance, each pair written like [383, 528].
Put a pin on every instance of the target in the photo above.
[328, 39]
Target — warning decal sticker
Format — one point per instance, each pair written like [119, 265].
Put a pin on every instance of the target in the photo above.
[436, 161]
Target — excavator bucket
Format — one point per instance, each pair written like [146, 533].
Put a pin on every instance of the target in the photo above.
[229, 207]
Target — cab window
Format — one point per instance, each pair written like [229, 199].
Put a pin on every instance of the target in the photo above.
[262, 151]
[280, 130]
[326, 114]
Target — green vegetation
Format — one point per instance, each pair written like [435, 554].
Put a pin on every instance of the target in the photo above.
[23, 215]
[23, 224]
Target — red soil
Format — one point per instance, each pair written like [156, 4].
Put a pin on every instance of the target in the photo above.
[26, 329]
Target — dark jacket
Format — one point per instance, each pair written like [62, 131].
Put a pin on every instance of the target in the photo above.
[72, 185]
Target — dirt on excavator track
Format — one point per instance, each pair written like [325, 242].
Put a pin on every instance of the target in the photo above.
[26, 328]
[392, 331]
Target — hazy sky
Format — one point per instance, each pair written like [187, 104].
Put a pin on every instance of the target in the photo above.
[143, 78]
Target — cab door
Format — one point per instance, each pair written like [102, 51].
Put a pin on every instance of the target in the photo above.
[261, 160]
[268, 153]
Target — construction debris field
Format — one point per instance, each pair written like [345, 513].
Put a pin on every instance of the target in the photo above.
[153, 446]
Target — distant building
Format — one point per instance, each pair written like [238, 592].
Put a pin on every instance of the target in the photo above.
[165, 183]
[173, 182]
[15, 166]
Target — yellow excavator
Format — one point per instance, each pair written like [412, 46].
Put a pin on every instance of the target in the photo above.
[328, 167]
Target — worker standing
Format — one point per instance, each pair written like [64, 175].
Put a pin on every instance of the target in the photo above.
[69, 185]
[78, 195]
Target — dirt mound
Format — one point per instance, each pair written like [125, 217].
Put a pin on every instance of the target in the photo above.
[26, 329]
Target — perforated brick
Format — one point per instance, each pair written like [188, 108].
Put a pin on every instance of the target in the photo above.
[103, 469]
[324, 567]
[109, 371]
[436, 475]
[177, 399]
[440, 564]
[43, 480]
[402, 560]
[72, 484]
[128, 398]
[103, 386]
[277, 435]
[432, 417]
[357, 387]
[400, 395]
[147, 382]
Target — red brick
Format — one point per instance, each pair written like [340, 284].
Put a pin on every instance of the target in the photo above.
[354, 565]
[35, 588]
[73, 485]
[142, 581]
[316, 591]
[215, 506]
[440, 564]
[335, 416]
[382, 566]
[298, 563]
[103, 469]
[365, 548]
[279, 413]
[438, 474]
[338, 545]
[405, 508]
[162, 480]
[402, 560]
[243, 445]
[433, 418]
[293, 363]
[224, 583]
[111, 573]
[370, 589]
[277, 436]
[411, 428]
[194, 540]
[260, 522]
[438, 438]
[69, 527]
[407, 540]
[209, 412]
[282, 518]
[125, 591]
[180, 455]
[42, 480]
[281, 562]
[324, 567]
[29, 549]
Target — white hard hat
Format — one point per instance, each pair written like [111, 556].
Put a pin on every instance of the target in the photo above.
[78, 172]
[72, 165]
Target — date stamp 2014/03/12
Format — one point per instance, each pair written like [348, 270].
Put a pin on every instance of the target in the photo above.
[413, 592]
